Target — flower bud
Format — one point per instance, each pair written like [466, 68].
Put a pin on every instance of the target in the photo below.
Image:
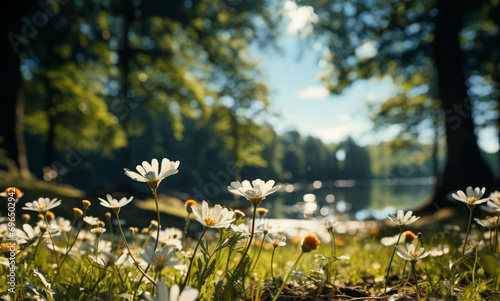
[77, 212]
[310, 243]
[86, 204]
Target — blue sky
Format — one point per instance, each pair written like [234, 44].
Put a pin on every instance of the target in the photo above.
[298, 96]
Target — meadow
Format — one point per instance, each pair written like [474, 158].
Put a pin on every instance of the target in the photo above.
[235, 257]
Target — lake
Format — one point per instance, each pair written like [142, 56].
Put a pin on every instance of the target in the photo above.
[358, 199]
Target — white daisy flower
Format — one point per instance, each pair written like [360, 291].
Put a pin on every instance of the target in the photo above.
[489, 222]
[276, 241]
[471, 197]
[115, 204]
[411, 254]
[255, 192]
[13, 192]
[175, 294]
[189, 254]
[91, 220]
[151, 173]
[216, 218]
[401, 219]
[161, 258]
[61, 223]
[494, 201]
[330, 223]
[42, 205]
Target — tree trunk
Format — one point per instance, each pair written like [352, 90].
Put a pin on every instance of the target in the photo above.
[11, 123]
[464, 165]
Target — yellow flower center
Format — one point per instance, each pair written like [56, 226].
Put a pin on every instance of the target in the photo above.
[491, 219]
[159, 261]
[40, 207]
[210, 221]
[471, 200]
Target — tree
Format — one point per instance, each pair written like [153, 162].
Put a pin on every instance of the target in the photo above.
[405, 40]
[11, 130]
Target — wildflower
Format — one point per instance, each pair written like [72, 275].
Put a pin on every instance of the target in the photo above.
[86, 204]
[61, 223]
[7, 247]
[188, 204]
[77, 212]
[262, 211]
[189, 254]
[330, 223]
[26, 217]
[107, 215]
[91, 220]
[238, 214]
[115, 204]
[470, 197]
[494, 201]
[217, 218]
[132, 229]
[170, 233]
[255, 192]
[402, 219]
[98, 231]
[154, 225]
[105, 258]
[488, 222]
[408, 236]
[29, 234]
[100, 224]
[151, 173]
[187, 294]
[471, 246]
[50, 215]
[411, 254]
[145, 230]
[309, 243]
[276, 241]
[42, 205]
[13, 192]
[163, 258]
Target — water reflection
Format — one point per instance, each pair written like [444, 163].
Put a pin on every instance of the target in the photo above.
[360, 200]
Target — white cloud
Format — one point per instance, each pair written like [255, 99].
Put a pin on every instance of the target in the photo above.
[313, 92]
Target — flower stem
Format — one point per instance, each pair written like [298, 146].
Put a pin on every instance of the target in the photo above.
[258, 254]
[130, 252]
[272, 257]
[51, 240]
[249, 242]
[332, 235]
[111, 231]
[496, 233]
[157, 237]
[392, 257]
[415, 277]
[467, 234]
[185, 231]
[70, 247]
[287, 276]
[158, 219]
[192, 258]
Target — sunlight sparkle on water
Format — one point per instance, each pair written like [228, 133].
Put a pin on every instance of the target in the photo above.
[330, 198]
[309, 198]
[317, 184]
